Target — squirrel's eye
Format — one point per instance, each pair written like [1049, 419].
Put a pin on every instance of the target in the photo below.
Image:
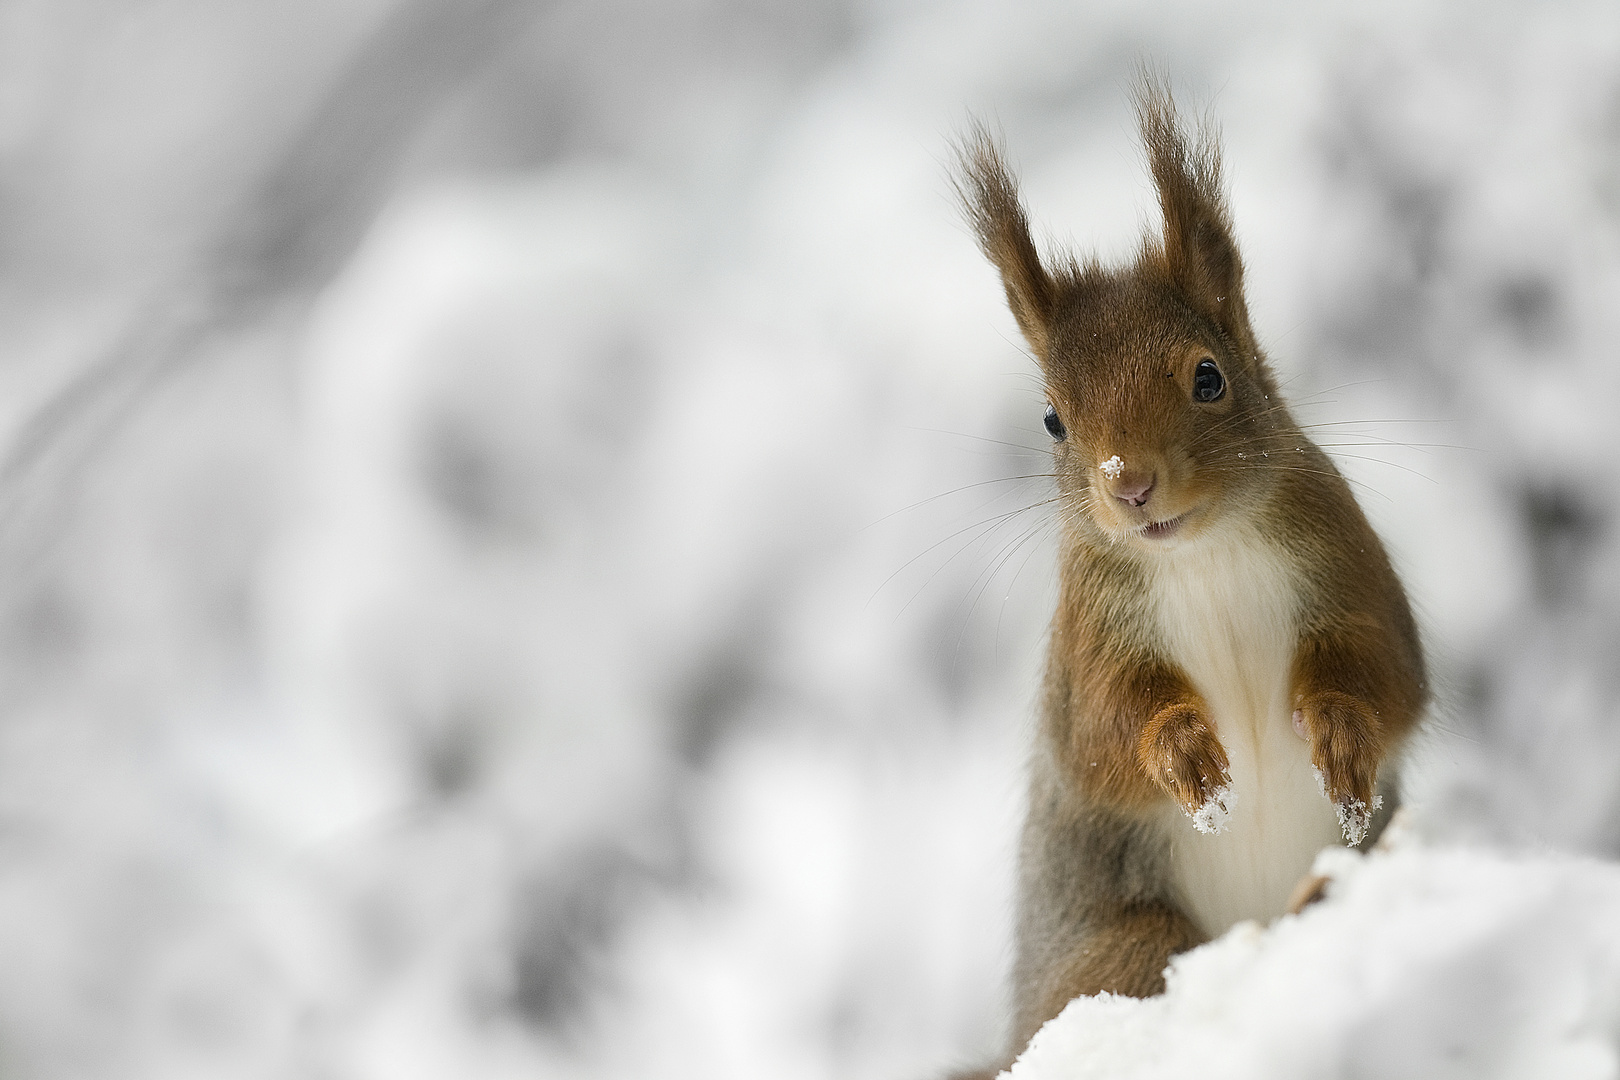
[1208, 383]
[1054, 424]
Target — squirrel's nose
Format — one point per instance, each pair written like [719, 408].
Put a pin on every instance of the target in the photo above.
[1132, 489]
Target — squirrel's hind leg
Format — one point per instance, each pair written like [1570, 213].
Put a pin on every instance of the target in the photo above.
[989, 1072]
[1123, 950]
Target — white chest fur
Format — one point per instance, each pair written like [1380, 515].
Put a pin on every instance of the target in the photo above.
[1227, 614]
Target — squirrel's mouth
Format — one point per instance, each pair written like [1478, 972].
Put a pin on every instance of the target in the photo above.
[1163, 530]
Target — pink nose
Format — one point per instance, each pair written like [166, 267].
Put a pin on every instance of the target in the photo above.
[1132, 489]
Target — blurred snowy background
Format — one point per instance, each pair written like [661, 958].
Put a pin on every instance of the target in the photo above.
[472, 596]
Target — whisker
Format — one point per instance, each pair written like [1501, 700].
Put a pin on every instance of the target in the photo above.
[1395, 420]
[1000, 524]
[1366, 440]
[1229, 422]
[1006, 553]
[981, 438]
[1045, 531]
[957, 490]
[981, 583]
[1250, 463]
[1343, 386]
[1391, 464]
[992, 522]
[1420, 447]
[1021, 345]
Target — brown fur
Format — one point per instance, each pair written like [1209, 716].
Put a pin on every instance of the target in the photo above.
[1124, 730]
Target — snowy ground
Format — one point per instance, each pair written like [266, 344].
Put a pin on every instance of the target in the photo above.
[1421, 961]
[519, 551]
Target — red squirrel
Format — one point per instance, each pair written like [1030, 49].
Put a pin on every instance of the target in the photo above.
[1233, 666]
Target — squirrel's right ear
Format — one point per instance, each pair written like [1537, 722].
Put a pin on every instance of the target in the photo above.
[1198, 248]
[990, 198]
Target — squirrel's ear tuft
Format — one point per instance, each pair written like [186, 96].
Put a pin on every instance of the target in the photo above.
[1199, 252]
[990, 199]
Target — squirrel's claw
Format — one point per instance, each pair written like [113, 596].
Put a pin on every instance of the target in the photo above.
[1345, 750]
[1212, 817]
[1180, 752]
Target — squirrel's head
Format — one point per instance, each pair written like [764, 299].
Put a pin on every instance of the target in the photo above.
[1159, 404]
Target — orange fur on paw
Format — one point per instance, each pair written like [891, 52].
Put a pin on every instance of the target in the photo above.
[1346, 746]
[1180, 752]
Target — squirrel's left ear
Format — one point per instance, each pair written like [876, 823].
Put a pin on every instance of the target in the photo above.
[1199, 252]
[990, 196]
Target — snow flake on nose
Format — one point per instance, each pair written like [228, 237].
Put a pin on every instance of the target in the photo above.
[1112, 467]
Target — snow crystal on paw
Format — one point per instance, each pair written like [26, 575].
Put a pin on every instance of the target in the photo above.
[1217, 810]
[1354, 817]
[1112, 467]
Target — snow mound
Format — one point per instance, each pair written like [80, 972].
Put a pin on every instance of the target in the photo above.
[1421, 962]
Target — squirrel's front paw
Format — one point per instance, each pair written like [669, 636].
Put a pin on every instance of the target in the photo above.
[1345, 747]
[1180, 752]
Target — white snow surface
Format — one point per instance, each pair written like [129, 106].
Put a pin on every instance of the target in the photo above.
[1431, 962]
